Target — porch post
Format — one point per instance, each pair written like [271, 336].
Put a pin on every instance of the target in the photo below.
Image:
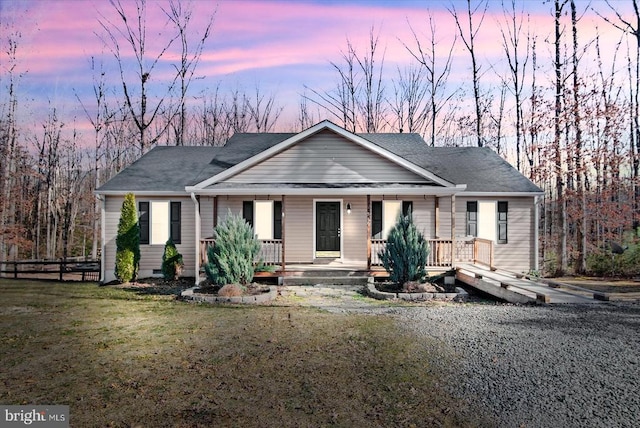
[283, 233]
[196, 203]
[368, 232]
[437, 226]
[453, 230]
[215, 211]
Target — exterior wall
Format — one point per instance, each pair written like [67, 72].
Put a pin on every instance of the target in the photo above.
[423, 212]
[299, 227]
[326, 158]
[518, 253]
[150, 255]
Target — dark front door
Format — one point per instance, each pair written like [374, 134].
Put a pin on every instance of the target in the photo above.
[327, 226]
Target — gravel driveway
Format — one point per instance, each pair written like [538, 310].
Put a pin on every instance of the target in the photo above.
[556, 366]
[541, 366]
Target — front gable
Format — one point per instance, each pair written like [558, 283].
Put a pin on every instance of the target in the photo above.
[326, 157]
[325, 154]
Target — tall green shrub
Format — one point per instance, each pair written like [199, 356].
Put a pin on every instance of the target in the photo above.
[128, 241]
[405, 254]
[172, 262]
[230, 260]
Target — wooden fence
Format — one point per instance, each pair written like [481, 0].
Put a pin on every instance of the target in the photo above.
[62, 270]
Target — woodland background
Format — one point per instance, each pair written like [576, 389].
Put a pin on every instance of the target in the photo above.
[572, 129]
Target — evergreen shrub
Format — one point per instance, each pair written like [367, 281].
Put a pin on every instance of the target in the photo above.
[172, 262]
[231, 258]
[128, 241]
[405, 254]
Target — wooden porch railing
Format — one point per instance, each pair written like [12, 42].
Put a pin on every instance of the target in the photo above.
[475, 250]
[270, 251]
[483, 251]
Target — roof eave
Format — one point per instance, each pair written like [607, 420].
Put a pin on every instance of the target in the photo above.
[141, 192]
[503, 194]
[301, 191]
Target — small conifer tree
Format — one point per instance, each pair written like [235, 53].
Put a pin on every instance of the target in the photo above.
[128, 241]
[231, 259]
[405, 255]
[172, 262]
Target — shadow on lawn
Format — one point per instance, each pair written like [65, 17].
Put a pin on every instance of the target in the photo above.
[155, 286]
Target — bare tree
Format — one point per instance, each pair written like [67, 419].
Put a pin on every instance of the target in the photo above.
[512, 33]
[131, 31]
[408, 105]
[9, 145]
[632, 28]
[437, 74]
[99, 117]
[180, 15]
[341, 102]
[262, 110]
[371, 104]
[468, 36]
[561, 217]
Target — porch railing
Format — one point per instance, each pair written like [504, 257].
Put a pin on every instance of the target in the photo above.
[472, 250]
[483, 251]
[270, 251]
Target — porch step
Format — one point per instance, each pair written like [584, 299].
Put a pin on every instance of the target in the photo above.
[327, 280]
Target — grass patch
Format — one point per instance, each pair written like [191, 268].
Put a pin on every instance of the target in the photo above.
[119, 358]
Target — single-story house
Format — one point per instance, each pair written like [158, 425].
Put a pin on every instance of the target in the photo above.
[326, 194]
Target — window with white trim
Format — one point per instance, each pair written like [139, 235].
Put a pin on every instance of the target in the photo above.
[159, 221]
[265, 217]
[384, 215]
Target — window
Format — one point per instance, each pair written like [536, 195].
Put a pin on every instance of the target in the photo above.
[384, 215]
[265, 217]
[472, 218]
[503, 208]
[159, 220]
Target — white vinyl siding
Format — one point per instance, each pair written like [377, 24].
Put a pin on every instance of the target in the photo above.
[326, 158]
[150, 255]
[518, 253]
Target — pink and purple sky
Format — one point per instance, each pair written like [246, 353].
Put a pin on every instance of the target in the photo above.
[280, 46]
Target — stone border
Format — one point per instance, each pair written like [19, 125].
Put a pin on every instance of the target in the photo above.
[193, 295]
[459, 296]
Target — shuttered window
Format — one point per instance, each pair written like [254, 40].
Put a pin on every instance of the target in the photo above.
[265, 217]
[159, 220]
[407, 207]
[143, 221]
[376, 219]
[247, 212]
[175, 232]
[503, 208]
[472, 218]
[277, 220]
[384, 215]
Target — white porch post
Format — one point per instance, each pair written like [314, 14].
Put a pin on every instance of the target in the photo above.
[536, 243]
[197, 237]
[453, 230]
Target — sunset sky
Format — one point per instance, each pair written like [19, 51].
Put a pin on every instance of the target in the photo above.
[280, 46]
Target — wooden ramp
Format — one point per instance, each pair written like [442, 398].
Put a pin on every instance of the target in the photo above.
[515, 288]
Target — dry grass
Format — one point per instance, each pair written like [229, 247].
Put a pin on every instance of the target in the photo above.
[121, 358]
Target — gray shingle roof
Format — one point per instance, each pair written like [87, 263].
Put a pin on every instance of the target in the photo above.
[170, 168]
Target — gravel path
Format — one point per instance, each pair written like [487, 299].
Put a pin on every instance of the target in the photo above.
[526, 366]
[541, 366]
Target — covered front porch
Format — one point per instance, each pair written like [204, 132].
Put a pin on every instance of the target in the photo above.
[444, 254]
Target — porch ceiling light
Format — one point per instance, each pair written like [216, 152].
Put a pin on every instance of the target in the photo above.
[348, 208]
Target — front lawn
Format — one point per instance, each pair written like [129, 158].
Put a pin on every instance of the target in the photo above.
[121, 358]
